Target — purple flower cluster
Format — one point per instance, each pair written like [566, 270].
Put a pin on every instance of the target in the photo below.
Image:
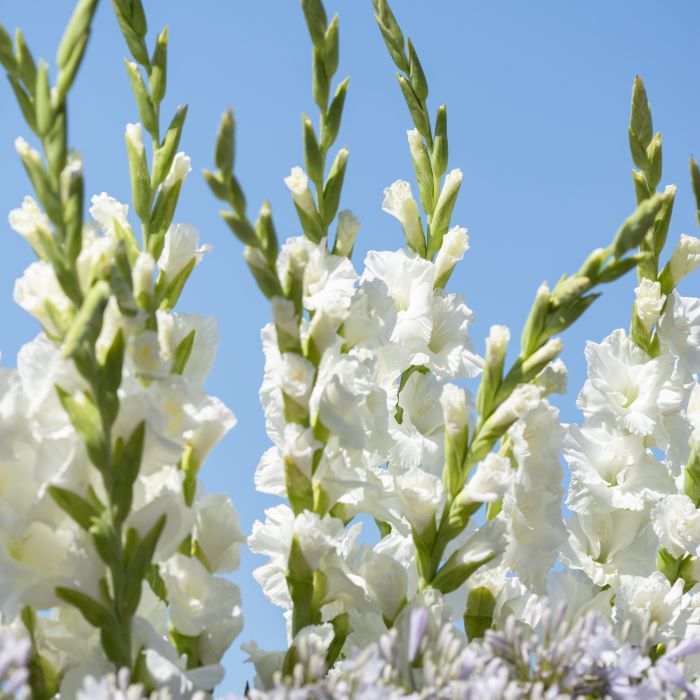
[14, 659]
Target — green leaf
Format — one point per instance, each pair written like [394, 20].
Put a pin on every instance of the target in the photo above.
[224, 156]
[182, 353]
[81, 510]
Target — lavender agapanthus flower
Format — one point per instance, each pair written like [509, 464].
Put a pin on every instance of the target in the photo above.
[14, 674]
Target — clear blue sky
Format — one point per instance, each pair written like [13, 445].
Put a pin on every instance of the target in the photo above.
[538, 99]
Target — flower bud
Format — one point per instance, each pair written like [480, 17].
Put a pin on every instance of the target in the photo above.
[650, 302]
[685, 258]
[142, 276]
[348, 226]
[399, 202]
[454, 245]
[179, 170]
[298, 183]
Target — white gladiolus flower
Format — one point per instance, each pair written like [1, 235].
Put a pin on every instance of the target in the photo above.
[31, 223]
[456, 405]
[455, 244]
[37, 288]
[198, 600]
[298, 183]
[409, 280]
[612, 468]
[144, 353]
[680, 329]
[387, 581]
[650, 302]
[348, 227]
[525, 398]
[179, 170]
[643, 598]
[553, 379]
[134, 136]
[296, 377]
[329, 282]
[218, 533]
[676, 523]
[371, 317]
[421, 496]
[624, 385]
[399, 202]
[685, 258]
[105, 210]
[490, 480]
[142, 274]
[180, 248]
[453, 180]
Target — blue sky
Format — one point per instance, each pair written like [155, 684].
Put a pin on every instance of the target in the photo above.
[538, 103]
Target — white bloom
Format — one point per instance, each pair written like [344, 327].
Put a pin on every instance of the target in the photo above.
[371, 317]
[198, 600]
[106, 210]
[455, 244]
[348, 227]
[329, 282]
[296, 377]
[409, 280]
[680, 329]
[456, 405]
[651, 598]
[613, 468]
[525, 398]
[180, 248]
[421, 496]
[650, 302]
[142, 274]
[676, 523]
[298, 183]
[490, 480]
[553, 379]
[134, 136]
[179, 170]
[144, 352]
[31, 223]
[38, 288]
[399, 202]
[218, 533]
[386, 579]
[685, 258]
[453, 180]
[624, 385]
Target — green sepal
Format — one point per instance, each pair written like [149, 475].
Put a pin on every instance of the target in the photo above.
[331, 123]
[441, 219]
[640, 128]
[695, 181]
[311, 225]
[240, 227]
[453, 574]
[110, 378]
[67, 74]
[440, 145]
[316, 21]
[616, 269]
[42, 186]
[331, 48]
[416, 74]
[182, 353]
[320, 81]
[155, 581]
[78, 508]
[300, 580]
[418, 115]
[478, 616]
[636, 226]
[86, 420]
[224, 154]
[341, 630]
[313, 161]
[424, 175]
[42, 100]
[265, 276]
[654, 156]
[187, 645]
[175, 286]
[127, 463]
[26, 67]
[93, 611]
[76, 32]
[165, 153]
[147, 110]
[391, 33]
[189, 464]
[138, 564]
[88, 322]
[134, 40]
[266, 234]
[536, 321]
[7, 56]
[564, 316]
[24, 101]
[158, 75]
[298, 487]
[162, 217]
[333, 187]
[691, 476]
[140, 180]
